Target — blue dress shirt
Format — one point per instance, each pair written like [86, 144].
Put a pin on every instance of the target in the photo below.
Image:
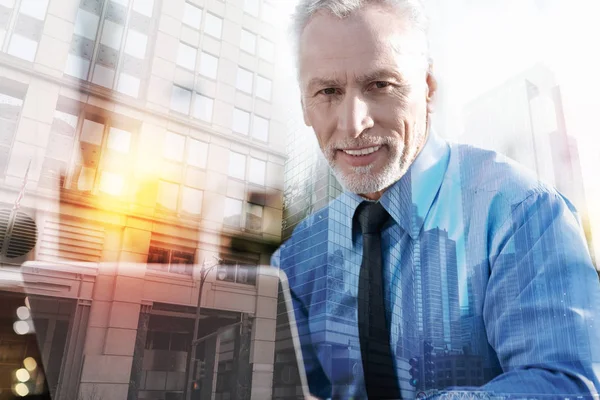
[481, 260]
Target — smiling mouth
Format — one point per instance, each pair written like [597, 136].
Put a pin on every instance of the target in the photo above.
[361, 152]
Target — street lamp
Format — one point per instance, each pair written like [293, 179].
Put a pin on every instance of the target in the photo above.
[204, 271]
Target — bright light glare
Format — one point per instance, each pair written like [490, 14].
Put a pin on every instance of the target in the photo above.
[22, 375]
[23, 313]
[21, 327]
[119, 140]
[111, 183]
[21, 389]
[30, 363]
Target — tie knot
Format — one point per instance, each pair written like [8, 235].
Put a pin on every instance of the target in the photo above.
[371, 217]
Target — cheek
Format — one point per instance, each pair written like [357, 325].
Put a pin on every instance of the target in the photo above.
[406, 116]
[322, 124]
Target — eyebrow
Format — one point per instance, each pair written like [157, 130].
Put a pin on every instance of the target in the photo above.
[375, 75]
[323, 82]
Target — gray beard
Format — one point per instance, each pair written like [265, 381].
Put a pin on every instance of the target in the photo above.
[362, 180]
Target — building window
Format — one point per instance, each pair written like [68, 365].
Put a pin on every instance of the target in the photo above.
[192, 16]
[289, 374]
[244, 80]
[263, 88]
[169, 341]
[246, 274]
[34, 8]
[191, 201]
[266, 50]
[268, 13]
[213, 25]
[119, 140]
[104, 150]
[186, 56]
[59, 148]
[252, 7]
[248, 42]
[209, 65]
[129, 85]
[241, 121]
[197, 153]
[110, 44]
[260, 128]
[237, 165]
[144, 7]
[112, 34]
[174, 146]
[167, 196]
[12, 96]
[254, 216]
[111, 183]
[86, 23]
[203, 107]
[175, 198]
[178, 261]
[181, 99]
[26, 19]
[226, 272]
[257, 171]
[136, 44]
[230, 271]
[232, 215]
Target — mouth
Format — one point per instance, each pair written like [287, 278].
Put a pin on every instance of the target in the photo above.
[360, 157]
[361, 152]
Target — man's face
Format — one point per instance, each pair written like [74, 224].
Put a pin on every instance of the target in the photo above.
[366, 92]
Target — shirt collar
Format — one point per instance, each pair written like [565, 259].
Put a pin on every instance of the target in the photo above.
[409, 200]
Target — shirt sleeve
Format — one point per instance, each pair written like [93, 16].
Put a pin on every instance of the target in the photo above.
[541, 308]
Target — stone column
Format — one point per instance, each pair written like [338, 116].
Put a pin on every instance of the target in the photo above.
[262, 347]
[211, 359]
[138, 353]
[114, 319]
[242, 369]
[73, 358]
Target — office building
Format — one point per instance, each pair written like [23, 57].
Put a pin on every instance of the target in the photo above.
[145, 138]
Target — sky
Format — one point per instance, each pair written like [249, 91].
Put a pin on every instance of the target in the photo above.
[483, 43]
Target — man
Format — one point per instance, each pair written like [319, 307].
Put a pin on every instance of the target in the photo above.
[445, 255]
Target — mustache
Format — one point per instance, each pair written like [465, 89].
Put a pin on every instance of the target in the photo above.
[353, 143]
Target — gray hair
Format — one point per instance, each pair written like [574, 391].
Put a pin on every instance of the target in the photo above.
[414, 10]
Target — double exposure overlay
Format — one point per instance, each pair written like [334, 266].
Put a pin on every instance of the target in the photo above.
[156, 174]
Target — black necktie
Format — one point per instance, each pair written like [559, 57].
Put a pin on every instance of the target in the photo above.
[374, 334]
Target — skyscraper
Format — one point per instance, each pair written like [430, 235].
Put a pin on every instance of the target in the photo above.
[524, 120]
[441, 287]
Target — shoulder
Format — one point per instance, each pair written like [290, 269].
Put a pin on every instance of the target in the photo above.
[488, 177]
[484, 170]
[503, 196]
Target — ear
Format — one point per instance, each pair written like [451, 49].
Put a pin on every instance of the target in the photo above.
[304, 113]
[431, 88]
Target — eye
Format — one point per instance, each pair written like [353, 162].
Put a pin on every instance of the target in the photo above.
[328, 91]
[381, 84]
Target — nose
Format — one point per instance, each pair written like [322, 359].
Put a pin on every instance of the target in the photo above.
[354, 116]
